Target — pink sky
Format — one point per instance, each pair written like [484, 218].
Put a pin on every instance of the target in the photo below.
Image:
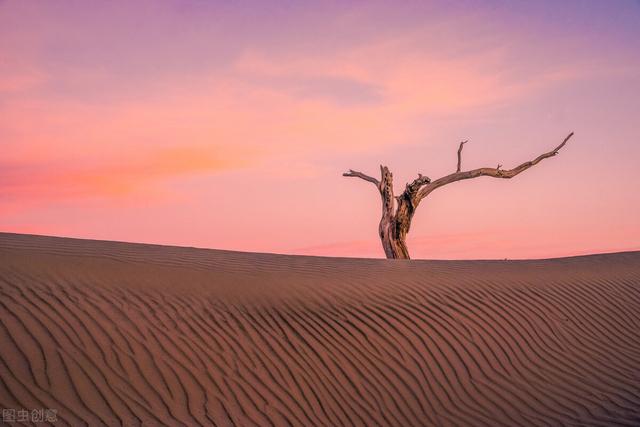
[229, 126]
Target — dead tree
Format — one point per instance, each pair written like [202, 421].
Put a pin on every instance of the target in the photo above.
[397, 212]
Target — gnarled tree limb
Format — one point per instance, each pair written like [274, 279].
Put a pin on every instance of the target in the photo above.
[415, 185]
[492, 172]
[460, 155]
[362, 176]
[411, 189]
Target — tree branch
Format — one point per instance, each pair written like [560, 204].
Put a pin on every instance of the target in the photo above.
[492, 172]
[412, 188]
[362, 176]
[407, 202]
[460, 156]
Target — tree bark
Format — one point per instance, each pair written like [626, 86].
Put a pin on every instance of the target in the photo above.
[397, 211]
[391, 233]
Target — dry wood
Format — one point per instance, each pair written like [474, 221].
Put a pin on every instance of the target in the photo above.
[397, 212]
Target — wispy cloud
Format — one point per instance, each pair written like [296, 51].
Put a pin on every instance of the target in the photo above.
[116, 177]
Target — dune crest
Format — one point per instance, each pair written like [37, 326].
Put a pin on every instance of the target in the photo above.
[114, 333]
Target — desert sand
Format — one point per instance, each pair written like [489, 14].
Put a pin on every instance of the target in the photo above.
[112, 333]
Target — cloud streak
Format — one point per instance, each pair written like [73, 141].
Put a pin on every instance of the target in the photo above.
[112, 178]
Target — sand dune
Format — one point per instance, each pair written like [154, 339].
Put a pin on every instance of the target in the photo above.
[114, 333]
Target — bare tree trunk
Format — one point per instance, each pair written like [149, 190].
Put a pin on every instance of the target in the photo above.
[396, 221]
[393, 248]
[397, 211]
[393, 242]
[401, 224]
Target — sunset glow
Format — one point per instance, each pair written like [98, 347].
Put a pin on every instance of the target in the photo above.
[228, 125]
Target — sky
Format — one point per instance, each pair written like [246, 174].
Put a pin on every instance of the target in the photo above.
[229, 124]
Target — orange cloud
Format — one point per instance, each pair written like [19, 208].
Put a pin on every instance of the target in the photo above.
[117, 176]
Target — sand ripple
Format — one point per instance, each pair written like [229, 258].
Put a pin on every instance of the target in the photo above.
[126, 334]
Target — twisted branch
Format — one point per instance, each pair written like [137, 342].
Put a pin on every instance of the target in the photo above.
[460, 155]
[412, 188]
[361, 176]
[492, 172]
